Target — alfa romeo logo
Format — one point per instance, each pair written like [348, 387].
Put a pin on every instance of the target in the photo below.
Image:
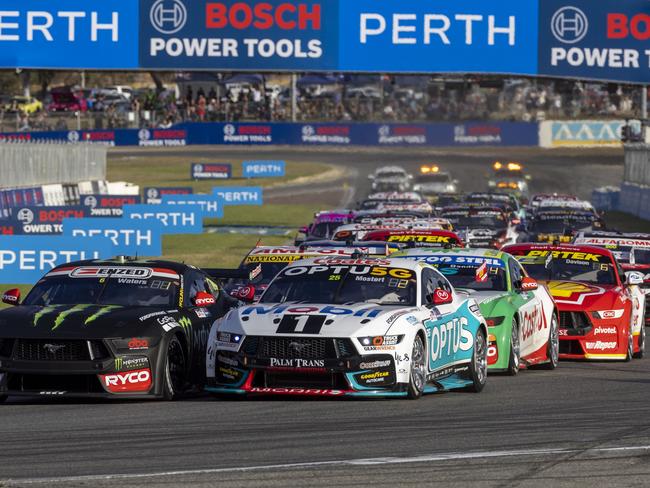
[569, 25]
[168, 16]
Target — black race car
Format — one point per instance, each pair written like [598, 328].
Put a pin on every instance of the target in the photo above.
[118, 328]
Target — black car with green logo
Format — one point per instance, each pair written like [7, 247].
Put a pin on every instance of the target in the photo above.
[110, 328]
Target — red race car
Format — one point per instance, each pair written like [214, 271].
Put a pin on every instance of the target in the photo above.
[416, 237]
[597, 317]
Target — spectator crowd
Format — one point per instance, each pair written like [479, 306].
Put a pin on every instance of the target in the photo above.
[331, 99]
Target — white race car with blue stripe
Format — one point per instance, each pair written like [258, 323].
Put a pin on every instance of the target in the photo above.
[351, 327]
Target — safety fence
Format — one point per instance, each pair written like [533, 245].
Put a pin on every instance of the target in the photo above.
[25, 165]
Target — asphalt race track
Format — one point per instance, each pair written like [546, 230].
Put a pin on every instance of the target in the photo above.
[585, 424]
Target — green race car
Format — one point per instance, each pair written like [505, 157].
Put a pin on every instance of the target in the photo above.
[521, 315]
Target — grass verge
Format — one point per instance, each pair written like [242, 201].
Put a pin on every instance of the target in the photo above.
[175, 171]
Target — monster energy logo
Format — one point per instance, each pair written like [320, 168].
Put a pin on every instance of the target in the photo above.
[102, 311]
[119, 363]
[185, 323]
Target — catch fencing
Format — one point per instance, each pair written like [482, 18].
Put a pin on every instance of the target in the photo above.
[29, 164]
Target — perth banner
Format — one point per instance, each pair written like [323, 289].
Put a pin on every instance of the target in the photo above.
[604, 39]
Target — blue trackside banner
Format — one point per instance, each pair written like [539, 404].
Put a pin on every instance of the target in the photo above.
[210, 171]
[107, 205]
[44, 220]
[128, 237]
[444, 134]
[236, 34]
[587, 39]
[69, 34]
[263, 169]
[25, 259]
[155, 194]
[173, 219]
[247, 195]
[607, 39]
[210, 205]
[419, 36]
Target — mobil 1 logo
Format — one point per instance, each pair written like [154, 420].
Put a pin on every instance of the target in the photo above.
[301, 324]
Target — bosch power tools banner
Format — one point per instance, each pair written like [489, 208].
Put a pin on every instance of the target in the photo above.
[606, 40]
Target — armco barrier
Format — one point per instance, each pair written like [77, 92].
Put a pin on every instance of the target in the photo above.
[461, 134]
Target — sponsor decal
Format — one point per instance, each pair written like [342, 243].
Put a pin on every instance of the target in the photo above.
[402, 135]
[605, 330]
[402, 358]
[211, 171]
[412, 320]
[448, 338]
[572, 292]
[420, 238]
[117, 272]
[202, 313]
[532, 321]
[128, 364]
[128, 382]
[297, 363]
[154, 195]
[375, 364]
[247, 134]
[297, 391]
[600, 345]
[441, 373]
[326, 134]
[136, 344]
[227, 361]
[105, 310]
[63, 315]
[162, 137]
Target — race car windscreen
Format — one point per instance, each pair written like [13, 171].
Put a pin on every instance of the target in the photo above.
[324, 230]
[474, 273]
[343, 285]
[433, 178]
[101, 286]
[569, 266]
[559, 225]
[394, 175]
[477, 220]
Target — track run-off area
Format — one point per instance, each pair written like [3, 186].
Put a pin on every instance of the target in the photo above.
[582, 424]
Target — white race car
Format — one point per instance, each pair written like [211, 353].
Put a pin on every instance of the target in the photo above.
[351, 327]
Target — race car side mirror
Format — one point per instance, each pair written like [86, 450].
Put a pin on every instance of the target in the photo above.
[245, 294]
[528, 284]
[631, 278]
[11, 297]
[441, 297]
[203, 299]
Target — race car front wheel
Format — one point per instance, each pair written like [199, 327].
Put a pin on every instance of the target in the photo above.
[641, 352]
[478, 366]
[553, 347]
[515, 350]
[175, 370]
[418, 375]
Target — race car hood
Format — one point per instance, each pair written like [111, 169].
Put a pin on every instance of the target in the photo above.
[576, 296]
[487, 300]
[328, 320]
[434, 187]
[83, 321]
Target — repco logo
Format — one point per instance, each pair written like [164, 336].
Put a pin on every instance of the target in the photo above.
[134, 381]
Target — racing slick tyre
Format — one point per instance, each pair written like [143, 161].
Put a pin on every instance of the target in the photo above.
[553, 347]
[478, 366]
[641, 352]
[175, 370]
[630, 347]
[417, 377]
[515, 350]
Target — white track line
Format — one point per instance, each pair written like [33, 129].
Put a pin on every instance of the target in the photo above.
[455, 456]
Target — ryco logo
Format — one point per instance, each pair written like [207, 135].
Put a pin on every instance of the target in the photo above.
[168, 16]
[569, 25]
[133, 381]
